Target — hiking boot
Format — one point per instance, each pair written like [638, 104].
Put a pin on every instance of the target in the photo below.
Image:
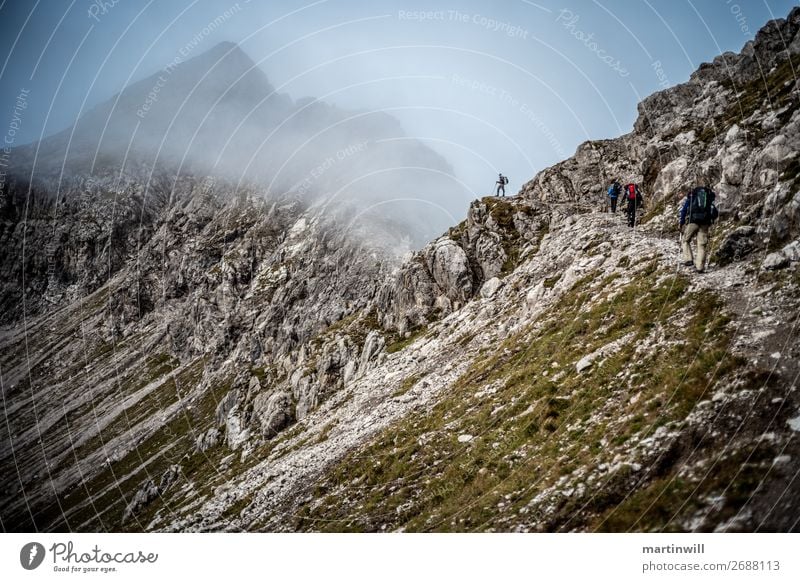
[687, 263]
[699, 271]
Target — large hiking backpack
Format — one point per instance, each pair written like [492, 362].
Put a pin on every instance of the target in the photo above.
[702, 209]
[505, 180]
[613, 190]
[631, 191]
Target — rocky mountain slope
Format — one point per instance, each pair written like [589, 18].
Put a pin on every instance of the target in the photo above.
[539, 367]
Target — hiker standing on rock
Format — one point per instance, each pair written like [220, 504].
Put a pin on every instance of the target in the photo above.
[697, 215]
[501, 184]
[613, 194]
[634, 197]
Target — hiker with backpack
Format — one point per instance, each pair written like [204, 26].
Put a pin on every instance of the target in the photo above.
[501, 184]
[613, 194]
[634, 197]
[697, 215]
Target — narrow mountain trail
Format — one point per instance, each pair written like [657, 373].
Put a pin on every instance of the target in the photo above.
[766, 319]
[766, 329]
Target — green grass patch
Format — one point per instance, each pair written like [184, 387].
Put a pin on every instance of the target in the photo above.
[661, 503]
[403, 342]
[550, 282]
[406, 385]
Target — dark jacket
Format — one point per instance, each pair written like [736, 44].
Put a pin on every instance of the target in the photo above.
[685, 209]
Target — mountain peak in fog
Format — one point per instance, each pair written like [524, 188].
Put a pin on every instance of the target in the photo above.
[170, 115]
[217, 114]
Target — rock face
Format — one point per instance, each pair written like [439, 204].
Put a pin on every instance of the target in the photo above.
[454, 268]
[733, 126]
[274, 412]
[192, 361]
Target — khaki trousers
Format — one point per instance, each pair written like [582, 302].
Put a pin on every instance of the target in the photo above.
[701, 232]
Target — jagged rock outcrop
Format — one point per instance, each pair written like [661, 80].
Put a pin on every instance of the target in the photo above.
[450, 271]
[274, 412]
[734, 126]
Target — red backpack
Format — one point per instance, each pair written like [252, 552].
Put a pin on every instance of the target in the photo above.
[631, 191]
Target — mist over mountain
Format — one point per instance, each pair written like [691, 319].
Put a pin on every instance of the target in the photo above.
[218, 115]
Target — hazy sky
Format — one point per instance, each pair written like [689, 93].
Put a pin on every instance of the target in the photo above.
[512, 86]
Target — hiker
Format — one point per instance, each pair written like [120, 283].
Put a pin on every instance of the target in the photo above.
[501, 184]
[697, 215]
[613, 194]
[634, 197]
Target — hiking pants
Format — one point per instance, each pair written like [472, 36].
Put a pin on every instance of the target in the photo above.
[501, 187]
[631, 211]
[613, 205]
[701, 232]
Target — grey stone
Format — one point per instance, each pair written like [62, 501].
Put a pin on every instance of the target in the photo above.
[584, 363]
[775, 261]
[490, 288]
[792, 251]
[373, 344]
[208, 440]
[274, 412]
[146, 493]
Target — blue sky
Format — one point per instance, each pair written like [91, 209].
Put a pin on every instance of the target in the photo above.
[513, 85]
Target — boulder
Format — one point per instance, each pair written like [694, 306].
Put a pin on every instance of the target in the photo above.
[489, 254]
[449, 265]
[373, 344]
[207, 440]
[584, 363]
[775, 261]
[274, 412]
[490, 288]
[169, 477]
[146, 493]
[235, 431]
[792, 251]
[736, 245]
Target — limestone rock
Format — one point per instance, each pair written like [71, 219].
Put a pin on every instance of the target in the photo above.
[792, 251]
[146, 493]
[584, 363]
[775, 261]
[274, 412]
[449, 266]
[208, 440]
[490, 287]
[373, 344]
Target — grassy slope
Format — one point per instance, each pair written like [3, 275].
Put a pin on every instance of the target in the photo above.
[536, 421]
